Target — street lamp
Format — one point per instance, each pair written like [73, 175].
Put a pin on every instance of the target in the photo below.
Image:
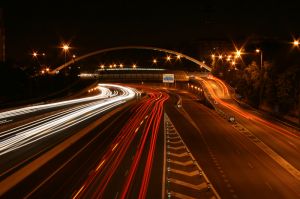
[154, 61]
[238, 53]
[261, 57]
[133, 66]
[168, 58]
[65, 48]
[178, 56]
[34, 54]
[121, 65]
[296, 43]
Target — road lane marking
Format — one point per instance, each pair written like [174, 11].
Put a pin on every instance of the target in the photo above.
[177, 148]
[192, 173]
[174, 142]
[181, 196]
[98, 167]
[189, 185]
[78, 192]
[180, 155]
[115, 146]
[173, 137]
[190, 162]
[272, 154]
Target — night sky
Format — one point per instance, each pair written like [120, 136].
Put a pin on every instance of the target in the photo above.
[96, 25]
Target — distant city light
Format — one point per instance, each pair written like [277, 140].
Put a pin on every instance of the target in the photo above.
[178, 56]
[154, 61]
[168, 58]
[121, 65]
[34, 54]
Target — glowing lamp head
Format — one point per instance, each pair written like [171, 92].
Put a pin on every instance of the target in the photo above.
[296, 43]
[65, 47]
[238, 53]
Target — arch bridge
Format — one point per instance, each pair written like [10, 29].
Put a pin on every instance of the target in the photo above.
[199, 63]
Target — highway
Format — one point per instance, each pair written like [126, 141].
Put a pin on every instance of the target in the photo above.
[23, 141]
[254, 155]
[127, 145]
[101, 159]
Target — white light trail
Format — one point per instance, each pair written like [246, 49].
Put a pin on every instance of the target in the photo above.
[27, 134]
[104, 93]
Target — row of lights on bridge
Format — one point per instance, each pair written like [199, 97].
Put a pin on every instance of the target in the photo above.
[155, 61]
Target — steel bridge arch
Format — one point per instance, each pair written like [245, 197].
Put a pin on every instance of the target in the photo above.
[201, 64]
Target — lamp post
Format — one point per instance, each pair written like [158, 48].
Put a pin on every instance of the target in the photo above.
[261, 74]
[65, 48]
[296, 43]
[261, 57]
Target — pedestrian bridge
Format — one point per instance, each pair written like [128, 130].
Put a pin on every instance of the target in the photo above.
[199, 63]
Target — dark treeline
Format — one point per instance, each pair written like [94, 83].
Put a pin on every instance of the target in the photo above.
[19, 85]
[274, 87]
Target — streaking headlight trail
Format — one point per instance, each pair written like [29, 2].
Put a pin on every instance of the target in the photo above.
[26, 134]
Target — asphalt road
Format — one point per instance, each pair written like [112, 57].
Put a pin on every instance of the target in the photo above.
[117, 156]
[236, 165]
[122, 156]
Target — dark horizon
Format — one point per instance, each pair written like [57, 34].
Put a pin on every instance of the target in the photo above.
[96, 25]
